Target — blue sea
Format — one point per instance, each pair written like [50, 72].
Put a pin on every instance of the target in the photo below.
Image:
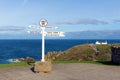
[13, 49]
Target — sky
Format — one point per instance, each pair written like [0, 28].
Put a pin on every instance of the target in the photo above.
[69, 16]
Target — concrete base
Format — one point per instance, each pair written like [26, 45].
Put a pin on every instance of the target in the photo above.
[42, 66]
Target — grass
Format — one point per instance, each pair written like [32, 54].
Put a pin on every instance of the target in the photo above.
[13, 65]
[89, 62]
[73, 61]
[82, 52]
[61, 62]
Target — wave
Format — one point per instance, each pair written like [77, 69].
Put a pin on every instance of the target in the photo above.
[13, 60]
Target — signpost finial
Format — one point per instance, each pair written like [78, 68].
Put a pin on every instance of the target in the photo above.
[43, 22]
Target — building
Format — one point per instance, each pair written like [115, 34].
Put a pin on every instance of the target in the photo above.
[100, 42]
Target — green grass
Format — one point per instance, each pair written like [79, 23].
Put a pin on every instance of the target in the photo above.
[61, 62]
[73, 61]
[69, 61]
[13, 65]
[89, 62]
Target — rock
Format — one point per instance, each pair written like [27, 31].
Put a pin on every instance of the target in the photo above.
[43, 66]
[29, 60]
[21, 59]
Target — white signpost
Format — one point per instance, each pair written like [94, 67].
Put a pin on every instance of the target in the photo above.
[43, 26]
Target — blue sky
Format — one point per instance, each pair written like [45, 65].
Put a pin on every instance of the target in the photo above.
[68, 15]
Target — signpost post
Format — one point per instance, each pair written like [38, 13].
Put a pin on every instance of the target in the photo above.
[44, 66]
[43, 24]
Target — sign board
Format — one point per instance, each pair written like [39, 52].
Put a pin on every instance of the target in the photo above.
[34, 32]
[54, 34]
[33, 27]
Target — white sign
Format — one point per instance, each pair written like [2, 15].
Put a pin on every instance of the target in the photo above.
[34, 32]
[33, 27]
[55, 34]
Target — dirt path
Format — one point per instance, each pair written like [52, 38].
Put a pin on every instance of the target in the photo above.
[73, 71]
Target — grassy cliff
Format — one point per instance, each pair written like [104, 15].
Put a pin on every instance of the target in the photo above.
[86, 52]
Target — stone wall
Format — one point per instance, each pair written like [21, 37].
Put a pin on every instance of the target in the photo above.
[115, 54]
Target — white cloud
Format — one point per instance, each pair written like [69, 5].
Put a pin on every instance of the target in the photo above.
[84, 21]
[11, 28]
[101, 34]
[117, 21]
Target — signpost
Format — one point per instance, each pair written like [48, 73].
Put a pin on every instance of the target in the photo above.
[43, 66]
[43, 25]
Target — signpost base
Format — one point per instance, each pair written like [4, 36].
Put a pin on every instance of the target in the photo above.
[42, 66]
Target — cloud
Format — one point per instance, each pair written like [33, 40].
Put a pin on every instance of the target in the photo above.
[100, 34]
[117, 21]
[83, 21]
[11, 28]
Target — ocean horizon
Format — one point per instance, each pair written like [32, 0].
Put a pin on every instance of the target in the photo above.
[22, 48]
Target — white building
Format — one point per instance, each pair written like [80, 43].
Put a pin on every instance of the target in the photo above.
[98, 42]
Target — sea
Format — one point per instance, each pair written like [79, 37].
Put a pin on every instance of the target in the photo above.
[14, 49]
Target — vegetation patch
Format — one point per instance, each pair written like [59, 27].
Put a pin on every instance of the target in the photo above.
[109, 63]
[13, 64]
[85, 52]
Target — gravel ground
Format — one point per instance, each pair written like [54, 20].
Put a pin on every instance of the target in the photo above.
[72, 71]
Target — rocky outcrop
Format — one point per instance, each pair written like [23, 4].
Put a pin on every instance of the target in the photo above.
[27, 59]
[83, 52]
